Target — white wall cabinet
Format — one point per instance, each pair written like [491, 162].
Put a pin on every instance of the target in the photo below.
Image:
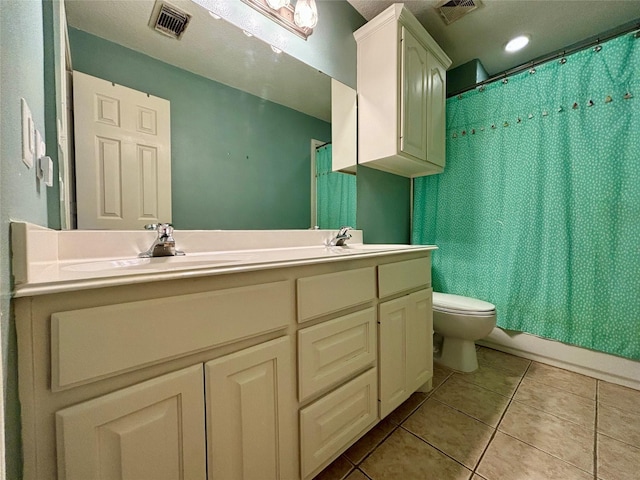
[150, 431]
[250, 420]
[401, 95]
[406, 355]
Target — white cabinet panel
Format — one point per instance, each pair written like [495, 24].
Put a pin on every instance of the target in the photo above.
[406, 346]
[413, 134]
[151, 431]
[332, 351]
[333, 422]
[250, 428]
[93, 343]
[323, 294]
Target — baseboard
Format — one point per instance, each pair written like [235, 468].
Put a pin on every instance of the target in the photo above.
[603, 366]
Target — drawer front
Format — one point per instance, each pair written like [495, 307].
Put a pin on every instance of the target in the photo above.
[331, 423]
[400, 276]
[332, 351]
[324, 294]
[99, 342]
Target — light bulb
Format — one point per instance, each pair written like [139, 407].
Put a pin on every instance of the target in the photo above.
[306, 13]
[277, 4]
[517, 43]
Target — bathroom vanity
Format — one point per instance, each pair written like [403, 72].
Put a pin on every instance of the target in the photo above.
[236, 363]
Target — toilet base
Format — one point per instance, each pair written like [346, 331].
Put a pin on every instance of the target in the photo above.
[458, 354]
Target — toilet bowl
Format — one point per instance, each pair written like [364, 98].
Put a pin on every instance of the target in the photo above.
[461, 321]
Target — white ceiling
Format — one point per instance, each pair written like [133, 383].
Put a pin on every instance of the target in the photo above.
[483, 33]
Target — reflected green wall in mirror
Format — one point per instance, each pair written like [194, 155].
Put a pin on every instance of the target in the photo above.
[238, 161]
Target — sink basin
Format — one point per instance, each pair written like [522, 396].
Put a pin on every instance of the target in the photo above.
[159, 263]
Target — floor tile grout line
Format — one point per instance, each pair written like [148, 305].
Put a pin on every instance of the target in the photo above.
[580, 398]
[464, 413]
[436, 448]
[547, 453]
[396, 426]
[495, 431]
[539, 409]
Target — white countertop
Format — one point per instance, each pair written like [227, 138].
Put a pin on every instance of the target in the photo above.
[47, 261]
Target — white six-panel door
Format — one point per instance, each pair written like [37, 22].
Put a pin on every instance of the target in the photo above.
[123, 155]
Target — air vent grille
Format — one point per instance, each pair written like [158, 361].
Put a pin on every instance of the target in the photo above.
[452, 10]
[170, 21]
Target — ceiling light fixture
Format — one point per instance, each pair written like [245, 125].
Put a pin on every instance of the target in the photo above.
[217, 17]
[517, 43]
[300, 19]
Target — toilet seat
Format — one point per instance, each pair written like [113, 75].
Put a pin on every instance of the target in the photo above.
[457, 304]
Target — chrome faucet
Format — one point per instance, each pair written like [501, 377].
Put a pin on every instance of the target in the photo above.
[164, 245]
[342, 236]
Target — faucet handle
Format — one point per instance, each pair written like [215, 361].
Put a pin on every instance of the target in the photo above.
[344, 229]
[163, 229]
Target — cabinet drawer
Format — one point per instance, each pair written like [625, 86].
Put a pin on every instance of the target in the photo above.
[334, 421]
[400, 276]
[99, 342]
[324, 294]
[334, 350]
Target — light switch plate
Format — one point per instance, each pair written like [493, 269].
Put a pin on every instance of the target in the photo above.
[28, 134]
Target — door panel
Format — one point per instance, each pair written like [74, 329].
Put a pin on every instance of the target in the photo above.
[123, 155]
[414, 92]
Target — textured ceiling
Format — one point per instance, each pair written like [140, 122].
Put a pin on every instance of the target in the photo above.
[211, 48]
[483, 33]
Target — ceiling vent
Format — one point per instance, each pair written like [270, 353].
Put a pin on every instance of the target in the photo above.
[452, 10]
[169, 20]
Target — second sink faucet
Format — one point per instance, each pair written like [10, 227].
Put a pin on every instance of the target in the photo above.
[164, 245]
[341, 237]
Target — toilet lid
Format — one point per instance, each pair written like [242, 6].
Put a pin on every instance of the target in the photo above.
[458, 303]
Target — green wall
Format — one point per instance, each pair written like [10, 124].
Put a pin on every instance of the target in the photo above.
[21, 195]
[384, 210]
[238, 162]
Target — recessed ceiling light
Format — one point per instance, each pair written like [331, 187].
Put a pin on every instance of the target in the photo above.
[248, 34]
[217, 17]
[275, 49]
[517, 43]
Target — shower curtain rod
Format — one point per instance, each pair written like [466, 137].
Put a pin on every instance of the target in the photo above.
[576, 47]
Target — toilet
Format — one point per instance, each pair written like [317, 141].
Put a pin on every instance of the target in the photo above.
[461, 321]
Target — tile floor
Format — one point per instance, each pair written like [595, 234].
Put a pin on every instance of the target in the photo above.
[512, 419]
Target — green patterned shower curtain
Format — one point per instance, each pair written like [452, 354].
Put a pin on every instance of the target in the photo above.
[538, 209]
[336, 193]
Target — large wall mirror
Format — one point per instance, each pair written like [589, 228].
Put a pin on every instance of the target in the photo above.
[243, 114]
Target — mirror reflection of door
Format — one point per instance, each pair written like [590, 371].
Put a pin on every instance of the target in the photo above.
[122, 155]
[335, 192]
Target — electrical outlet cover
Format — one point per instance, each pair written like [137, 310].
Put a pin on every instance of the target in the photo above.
[27, 134]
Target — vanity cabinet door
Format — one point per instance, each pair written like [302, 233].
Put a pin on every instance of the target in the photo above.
[250, 416]
[154, 431]
[406, 359]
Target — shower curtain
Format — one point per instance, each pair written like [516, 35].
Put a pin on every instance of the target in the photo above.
[336, 193]
[538, 208]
